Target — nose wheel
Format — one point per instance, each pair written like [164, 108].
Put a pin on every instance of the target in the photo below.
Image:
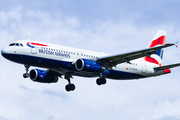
[26, 75]
[69, 87]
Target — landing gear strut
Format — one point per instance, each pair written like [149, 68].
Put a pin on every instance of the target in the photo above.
[69, 86]
[26, 75]
[101, 80]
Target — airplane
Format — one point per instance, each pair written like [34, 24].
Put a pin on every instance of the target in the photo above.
[56, 61]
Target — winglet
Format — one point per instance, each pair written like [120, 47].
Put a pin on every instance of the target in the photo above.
[176, 44]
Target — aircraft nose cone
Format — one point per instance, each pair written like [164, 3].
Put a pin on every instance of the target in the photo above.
[2, 52]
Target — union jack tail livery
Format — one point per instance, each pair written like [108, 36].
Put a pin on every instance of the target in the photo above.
[159, 39]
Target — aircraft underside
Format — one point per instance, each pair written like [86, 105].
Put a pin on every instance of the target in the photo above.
[63, 67]
[60, 68]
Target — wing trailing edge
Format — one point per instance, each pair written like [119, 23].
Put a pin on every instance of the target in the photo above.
[113, 60]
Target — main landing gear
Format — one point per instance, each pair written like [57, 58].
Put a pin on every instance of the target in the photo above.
[101, 80]
[26, 75]
[69, 86]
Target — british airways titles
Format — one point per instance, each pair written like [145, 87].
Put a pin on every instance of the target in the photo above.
[51, 52]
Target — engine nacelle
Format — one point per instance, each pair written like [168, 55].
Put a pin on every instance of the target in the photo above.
[88, 66]
[43, 76]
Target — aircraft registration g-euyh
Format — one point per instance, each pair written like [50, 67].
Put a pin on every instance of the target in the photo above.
[67, 61]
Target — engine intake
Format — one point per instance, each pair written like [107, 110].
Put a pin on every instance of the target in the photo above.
[88, 66]
[43, 76]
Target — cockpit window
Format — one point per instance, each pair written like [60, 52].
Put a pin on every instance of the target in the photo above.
[12, 44]
[21, 44]
[16, 44]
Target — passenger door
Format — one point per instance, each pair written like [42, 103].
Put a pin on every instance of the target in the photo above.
[34, 50]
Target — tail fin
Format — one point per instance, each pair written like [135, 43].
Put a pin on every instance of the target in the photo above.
[159, 39]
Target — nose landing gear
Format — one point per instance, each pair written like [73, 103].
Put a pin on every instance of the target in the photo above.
[26, 75]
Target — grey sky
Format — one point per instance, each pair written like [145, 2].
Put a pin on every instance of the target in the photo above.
[100, 25]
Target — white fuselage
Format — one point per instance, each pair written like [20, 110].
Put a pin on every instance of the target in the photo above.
[62, 59]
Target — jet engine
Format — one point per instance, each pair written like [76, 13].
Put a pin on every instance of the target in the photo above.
[88, 66]
[43, 76]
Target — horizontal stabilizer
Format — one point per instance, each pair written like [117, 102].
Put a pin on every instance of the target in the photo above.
[167, 66]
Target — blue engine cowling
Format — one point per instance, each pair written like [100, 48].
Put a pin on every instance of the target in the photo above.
[88, 66]
[43, 76]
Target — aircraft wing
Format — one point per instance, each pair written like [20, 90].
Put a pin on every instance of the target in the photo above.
[113, 60]
[167, 66]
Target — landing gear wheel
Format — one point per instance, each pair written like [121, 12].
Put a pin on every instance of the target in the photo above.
[98, 81]
[25, 75]
[101, 81]
[70, 87]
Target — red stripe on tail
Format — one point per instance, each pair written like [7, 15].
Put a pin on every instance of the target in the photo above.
[159, 41]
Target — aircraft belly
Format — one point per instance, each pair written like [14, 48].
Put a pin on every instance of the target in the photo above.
[65, 66]
[121, 75]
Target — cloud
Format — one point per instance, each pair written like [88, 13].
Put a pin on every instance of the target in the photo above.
[2, 118]
[110, 26]
[51, 94]
[169, 118]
